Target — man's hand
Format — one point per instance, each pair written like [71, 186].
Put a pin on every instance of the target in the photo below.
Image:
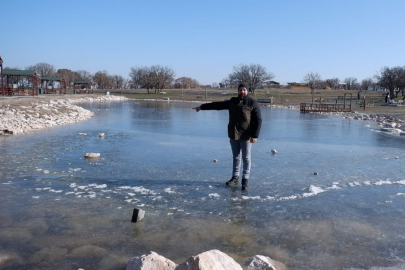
[253, 140]
[197, 109]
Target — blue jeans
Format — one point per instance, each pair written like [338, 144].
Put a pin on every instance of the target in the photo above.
[241, 149]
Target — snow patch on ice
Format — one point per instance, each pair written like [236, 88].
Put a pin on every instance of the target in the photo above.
[313, 190]
[383, 182]
[169, 190]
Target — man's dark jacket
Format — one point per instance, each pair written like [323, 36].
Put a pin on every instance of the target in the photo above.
[245, 118]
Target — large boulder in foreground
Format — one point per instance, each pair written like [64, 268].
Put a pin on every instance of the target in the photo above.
[213, 259]
[152, 261]
[209, 260]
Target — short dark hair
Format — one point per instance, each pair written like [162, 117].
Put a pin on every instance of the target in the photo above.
[242, 85]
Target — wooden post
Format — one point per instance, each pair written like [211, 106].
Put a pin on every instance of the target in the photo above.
[364, 103]
[2, 84]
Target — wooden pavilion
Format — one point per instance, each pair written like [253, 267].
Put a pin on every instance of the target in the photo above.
[50, 81]
[18, 82]
[83, 87]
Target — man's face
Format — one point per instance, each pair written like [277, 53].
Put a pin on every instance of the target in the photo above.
[242, 92]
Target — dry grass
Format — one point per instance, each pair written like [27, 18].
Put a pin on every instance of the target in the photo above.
[286, 97]
[374, 99]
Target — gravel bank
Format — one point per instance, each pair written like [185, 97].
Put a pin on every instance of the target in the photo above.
[25, 114]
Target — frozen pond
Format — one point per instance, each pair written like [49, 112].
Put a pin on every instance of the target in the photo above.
[61, 211]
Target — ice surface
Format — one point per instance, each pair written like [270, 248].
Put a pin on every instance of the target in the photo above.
[159, 157]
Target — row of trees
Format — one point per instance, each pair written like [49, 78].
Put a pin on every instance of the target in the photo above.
[158, 77]
[154, 77]
[101, 79]
[314, 81]
[392, 79]
[255, 75]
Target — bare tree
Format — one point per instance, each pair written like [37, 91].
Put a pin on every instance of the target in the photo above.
[126, 84]
[137, 75]
[367, 83]
[231, 81]
[149, 79]
[313, 79]
[400, 80]
[185, 83]
[142, 77]
[163, 77]
[103, 80]
[117, 82]
[391, 78]
[351, 83]
[253, 74]
[332, 83]
[68, 75]
[42, 69]
[84, 75]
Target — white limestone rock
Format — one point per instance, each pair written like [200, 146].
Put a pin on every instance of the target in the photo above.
[212, 259]
[152, 261]
[260, 262]
[390, 125]
[92, 155]
[42, 113]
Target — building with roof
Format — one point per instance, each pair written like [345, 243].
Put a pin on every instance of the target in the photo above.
[300, 86]
[48, 85]
[18, 82]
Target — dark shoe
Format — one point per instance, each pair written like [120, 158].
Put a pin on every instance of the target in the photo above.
[233, 182]
[244, 184]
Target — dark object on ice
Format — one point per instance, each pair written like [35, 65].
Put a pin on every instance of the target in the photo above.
[315, 173]
[137, 215]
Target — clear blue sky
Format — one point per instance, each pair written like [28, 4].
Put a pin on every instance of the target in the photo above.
[204, 39]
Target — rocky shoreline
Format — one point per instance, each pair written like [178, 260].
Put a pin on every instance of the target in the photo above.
[386, 123]
[25, 115]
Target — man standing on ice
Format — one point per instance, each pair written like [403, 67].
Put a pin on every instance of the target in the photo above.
[243, 129]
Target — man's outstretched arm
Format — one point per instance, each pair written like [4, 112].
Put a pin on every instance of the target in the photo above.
[219, 105]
